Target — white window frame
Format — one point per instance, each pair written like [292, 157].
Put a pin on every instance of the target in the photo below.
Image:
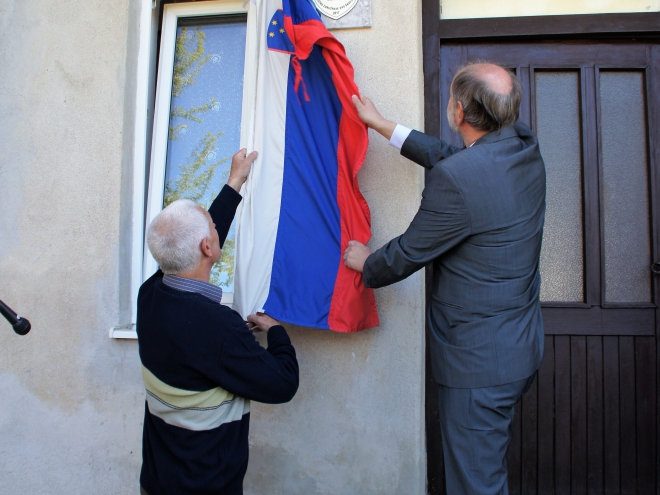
[148, 201]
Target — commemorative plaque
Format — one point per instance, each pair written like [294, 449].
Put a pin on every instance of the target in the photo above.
[337, 14]
[335, 9]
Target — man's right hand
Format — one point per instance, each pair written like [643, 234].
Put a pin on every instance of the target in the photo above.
[241, 164]
[261, 322]
[369, 115]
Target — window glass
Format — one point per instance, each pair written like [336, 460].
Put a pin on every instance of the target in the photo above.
[558, 130]
[205, 117]
[625, 189]
[460, 9]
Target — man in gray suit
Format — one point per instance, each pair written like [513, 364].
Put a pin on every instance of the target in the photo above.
[480, 223]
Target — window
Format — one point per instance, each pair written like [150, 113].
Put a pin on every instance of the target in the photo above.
[195, 93]
[197, 116]
[457, 9]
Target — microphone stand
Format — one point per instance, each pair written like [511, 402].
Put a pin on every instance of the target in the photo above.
[21, 325]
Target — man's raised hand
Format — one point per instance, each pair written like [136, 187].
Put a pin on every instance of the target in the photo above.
[369, 115]
[241, 164]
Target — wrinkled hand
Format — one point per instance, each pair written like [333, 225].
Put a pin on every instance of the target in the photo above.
[241, 164]
[369, 115]
[261, 322]
[355, 255]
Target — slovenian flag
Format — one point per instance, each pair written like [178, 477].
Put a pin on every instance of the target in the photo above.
[302, 203]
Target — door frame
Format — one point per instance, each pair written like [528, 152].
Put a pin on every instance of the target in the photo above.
[435, 31]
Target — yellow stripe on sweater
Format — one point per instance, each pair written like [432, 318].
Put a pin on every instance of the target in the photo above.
[184, 399]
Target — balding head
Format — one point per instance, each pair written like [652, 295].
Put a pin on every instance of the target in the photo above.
[175, 235]
[490, 95]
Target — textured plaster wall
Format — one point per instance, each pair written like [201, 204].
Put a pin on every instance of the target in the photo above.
[356, 426]
[72, 400]
[462, 9]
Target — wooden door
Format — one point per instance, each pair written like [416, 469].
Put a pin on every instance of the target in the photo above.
[589, 422]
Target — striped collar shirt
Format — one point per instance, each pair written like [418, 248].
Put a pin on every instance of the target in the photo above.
[213, 292]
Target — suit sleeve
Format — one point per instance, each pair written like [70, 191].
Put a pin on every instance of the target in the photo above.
[442, 222]
[426, 150]
[222, 211]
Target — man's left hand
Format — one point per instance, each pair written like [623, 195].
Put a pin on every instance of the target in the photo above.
[241, 163]
[261, 322]
[355, 255]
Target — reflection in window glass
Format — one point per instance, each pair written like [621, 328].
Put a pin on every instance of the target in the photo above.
[625, 188]
[558, 130]
[205, 118]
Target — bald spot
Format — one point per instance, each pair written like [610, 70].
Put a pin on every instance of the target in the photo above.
[495, 77]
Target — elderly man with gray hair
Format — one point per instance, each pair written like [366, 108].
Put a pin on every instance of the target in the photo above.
[480, 225]
[201, 364]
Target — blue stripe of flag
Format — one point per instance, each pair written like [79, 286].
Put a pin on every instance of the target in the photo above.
[307, 249]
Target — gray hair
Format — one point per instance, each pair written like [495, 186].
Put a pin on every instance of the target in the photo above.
[175, 235]
[483, 108]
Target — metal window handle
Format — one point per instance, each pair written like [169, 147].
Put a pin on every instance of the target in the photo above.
[655, 268]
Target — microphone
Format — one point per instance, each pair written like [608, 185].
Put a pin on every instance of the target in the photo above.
[21, 325]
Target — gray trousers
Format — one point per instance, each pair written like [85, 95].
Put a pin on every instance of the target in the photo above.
[476, 425]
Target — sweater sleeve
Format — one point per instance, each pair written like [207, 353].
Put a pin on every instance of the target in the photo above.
[222, 211]
[264, 375]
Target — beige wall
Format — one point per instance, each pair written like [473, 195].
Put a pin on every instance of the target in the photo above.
[464, 9]
[72, 403]
[72, 399]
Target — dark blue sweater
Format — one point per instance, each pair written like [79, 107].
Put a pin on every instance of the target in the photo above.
[201, 367]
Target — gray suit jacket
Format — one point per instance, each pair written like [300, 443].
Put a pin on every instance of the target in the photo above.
[481, 224]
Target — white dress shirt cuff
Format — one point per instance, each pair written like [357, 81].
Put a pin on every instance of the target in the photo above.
[399, 135]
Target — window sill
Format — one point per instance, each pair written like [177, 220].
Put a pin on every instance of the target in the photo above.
[123, 332]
